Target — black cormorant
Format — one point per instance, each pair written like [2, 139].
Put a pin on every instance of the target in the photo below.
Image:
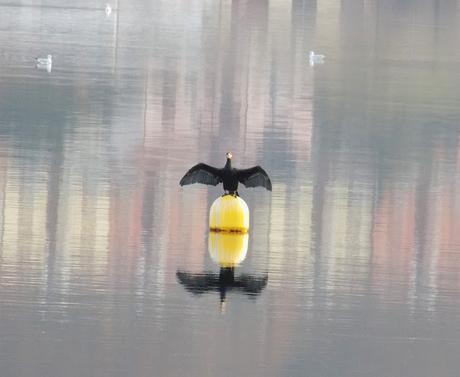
[208, 175]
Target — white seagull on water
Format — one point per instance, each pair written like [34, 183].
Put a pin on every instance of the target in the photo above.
[315, 58]
[44, 63]
[108, 9]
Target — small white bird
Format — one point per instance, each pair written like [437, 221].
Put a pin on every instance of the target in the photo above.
[315, 58]
[44, 61]
[108, 9]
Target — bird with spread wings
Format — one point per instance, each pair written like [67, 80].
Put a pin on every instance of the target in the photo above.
[228, 176]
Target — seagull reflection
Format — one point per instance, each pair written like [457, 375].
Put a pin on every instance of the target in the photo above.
[315, 58]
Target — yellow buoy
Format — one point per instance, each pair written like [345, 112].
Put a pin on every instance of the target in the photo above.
[229, 213]
[227, 249]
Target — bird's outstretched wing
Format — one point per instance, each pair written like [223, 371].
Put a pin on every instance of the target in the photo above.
[254, 177]
[202, 173]
[198, 283]
[251, 285]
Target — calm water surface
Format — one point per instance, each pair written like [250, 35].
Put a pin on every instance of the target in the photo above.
[353, 261]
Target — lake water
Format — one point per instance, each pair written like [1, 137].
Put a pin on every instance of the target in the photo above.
[353, 260]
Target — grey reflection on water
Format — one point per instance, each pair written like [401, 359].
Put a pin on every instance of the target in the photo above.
[358, 240]
[228, 250]
[222, 282]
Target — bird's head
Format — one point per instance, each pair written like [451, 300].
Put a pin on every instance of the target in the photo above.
[229, 155]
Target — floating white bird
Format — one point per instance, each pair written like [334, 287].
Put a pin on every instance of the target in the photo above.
[108, 9]
[44, 63]
[315, 58]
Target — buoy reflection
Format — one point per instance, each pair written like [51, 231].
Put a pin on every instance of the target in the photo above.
[227, 250]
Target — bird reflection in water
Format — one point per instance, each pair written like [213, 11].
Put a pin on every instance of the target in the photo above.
[222, 282]
[227, 250]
